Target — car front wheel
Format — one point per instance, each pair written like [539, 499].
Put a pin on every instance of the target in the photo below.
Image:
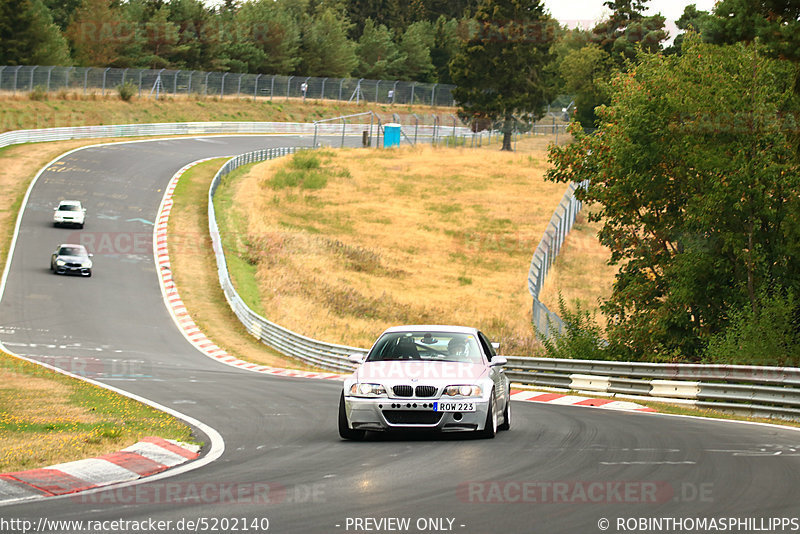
[506, 416]
[490, 427]
[344, 428]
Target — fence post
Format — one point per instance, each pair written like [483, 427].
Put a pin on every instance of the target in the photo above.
[16, 75]
[174, 83]
[413, 84]
[205, 89]
[222, 86]
[288, 85]
[322, 91]
[31, 83]
[377, 83]
[272, 87]
[255, 88]
[49, 72]
[239, 87]
[341, 83]
[104, 79]
[189, 88]
[433, 92]
[1, 75]
[140, 83]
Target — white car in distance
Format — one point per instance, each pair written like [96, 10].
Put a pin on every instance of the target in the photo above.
[69, 213]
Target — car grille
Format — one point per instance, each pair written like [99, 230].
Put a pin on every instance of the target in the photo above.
[403, 391]
[412, 417]
[425, 391]
[408, 391]
[69, 264]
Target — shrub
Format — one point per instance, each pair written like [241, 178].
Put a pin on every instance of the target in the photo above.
[38, 93]
[581, 339]
[768, 335]
[127, 91]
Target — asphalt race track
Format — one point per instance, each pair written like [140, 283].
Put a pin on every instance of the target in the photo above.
[559, 469]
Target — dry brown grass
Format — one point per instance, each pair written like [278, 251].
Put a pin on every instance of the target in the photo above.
[415, 235]
[581, 271]
[19, 112]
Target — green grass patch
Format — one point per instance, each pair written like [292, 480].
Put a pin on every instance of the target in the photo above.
[47, 418]
[241, 253]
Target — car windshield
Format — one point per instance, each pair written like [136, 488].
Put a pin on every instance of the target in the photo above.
[68, 207]
[432, 346]
[71, 251]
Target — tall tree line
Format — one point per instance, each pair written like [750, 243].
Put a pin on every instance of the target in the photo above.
[370, 39]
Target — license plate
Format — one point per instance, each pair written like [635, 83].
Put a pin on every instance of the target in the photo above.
[453, 406]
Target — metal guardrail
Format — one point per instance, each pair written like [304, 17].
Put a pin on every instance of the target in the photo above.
[155, 83]
[543, 257]
[185, 128]
[750, 390]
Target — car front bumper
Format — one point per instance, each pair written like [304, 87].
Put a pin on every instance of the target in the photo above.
[83, 271]
[384, 414]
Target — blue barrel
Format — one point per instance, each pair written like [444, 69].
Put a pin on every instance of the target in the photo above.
[391, 134]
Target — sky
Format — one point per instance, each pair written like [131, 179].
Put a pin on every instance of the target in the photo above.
[585, 13]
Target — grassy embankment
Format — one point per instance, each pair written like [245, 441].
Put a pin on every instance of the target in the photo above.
[19, 112]
[338, 245]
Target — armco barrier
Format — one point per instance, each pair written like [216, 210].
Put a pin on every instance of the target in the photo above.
[750, 390]
[190, 128]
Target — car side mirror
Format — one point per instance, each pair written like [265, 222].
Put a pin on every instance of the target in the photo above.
[357, 357]
[498, 360]
[55, 209]
[495, 345]
[91, 255]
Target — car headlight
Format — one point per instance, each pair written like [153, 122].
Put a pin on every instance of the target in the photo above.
[363, 389]
[60, 263]
[463, 391]
[87, 264]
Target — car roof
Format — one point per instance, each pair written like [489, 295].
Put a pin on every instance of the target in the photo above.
[432, 328]
[70, 202]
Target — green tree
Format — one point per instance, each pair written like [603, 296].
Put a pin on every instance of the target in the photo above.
[326, 50]
[61, 11]
[99, 35]
[446, 44]
[586, 73]
[415, 45]
[265, 38]
[692, 19]
[692, 168]
[200, 35]
[378, 55]
[500, 70]
[627, 30]
[28, 35]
